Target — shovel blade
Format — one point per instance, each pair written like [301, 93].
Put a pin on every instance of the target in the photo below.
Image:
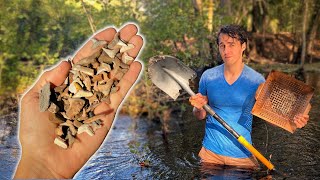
[163, 80]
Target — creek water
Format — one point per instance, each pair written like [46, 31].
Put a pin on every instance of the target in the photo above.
[176, 157]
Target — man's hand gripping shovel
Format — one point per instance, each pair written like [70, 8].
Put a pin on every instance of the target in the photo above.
[170, 75]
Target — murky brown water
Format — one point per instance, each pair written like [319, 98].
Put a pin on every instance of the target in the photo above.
[297, 155]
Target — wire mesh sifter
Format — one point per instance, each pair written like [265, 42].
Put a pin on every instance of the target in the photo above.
[280, 98]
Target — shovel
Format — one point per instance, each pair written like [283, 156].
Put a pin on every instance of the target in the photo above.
[170, 75]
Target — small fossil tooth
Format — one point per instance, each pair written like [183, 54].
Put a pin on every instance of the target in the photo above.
[106, 99]
[60, 89]
[99, 122]
[105, 76]
[114, 89]
[84, 114]
[64, 94]
[118, 75]
[83, 93]
[126, 58]
[93, 98]
[84, 70]
[70, 138]
[124, 71]
[85, 128]
[95, 64]
[74, 87]
[92, 107]
[94, 118]
[126, 48]
[53, 108]
[60, 142]
[103, 67]
[76, 104]
[116, 63]
[119, 45]
[95, 126]
[64, 114]
[105, 88]
[66, 81]
[59, 131]
[97, 43]
[74, 74]
[111, 52]
[97, 78]
[87, 82]
[87, 60]
[44, 98]
[114, 41]
[124, 66]
[54, 118]
[73, 130]
[77, 123]
[104, 58]
[71, 127]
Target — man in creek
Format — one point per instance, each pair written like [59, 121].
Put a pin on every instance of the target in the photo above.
[229, 89]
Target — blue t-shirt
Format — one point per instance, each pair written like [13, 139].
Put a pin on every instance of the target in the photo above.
[233, 103]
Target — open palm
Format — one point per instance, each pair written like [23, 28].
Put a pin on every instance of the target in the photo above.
[41, 158]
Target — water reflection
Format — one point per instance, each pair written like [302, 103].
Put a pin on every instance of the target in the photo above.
[298, 154]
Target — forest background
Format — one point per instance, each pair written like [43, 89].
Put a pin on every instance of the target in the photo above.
[36, 34]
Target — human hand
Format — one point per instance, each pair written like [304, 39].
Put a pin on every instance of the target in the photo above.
[198, 100]
[40, 157]
[301, 120]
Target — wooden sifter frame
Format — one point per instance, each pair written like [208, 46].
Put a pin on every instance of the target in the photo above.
[280, 98]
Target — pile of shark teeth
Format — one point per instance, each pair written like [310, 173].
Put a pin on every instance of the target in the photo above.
[90, 82]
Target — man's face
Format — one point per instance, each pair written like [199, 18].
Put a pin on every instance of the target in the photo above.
[230, 49]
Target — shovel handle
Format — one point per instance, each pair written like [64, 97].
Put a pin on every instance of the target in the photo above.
[240, 138]
[255, 152]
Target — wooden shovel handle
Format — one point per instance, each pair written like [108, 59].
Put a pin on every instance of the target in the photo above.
[256, 153]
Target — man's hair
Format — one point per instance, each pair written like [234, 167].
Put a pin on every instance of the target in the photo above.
[234, 31]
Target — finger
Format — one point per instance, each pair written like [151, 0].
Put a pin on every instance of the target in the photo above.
[299, 124]
[56, 76]
[86, 50]
[305, 116]
[126, 83]
[127, 32]
[137, 41]
[105, 109]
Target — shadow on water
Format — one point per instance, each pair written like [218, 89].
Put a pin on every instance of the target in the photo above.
[132, 142]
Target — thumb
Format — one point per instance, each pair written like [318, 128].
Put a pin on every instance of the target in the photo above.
[55, 76]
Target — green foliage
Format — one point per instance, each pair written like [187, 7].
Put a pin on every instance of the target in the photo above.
[35, 34]
[168, 25]
[141, 152]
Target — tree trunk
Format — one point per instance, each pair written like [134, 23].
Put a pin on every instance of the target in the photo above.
[315, 20]
[227, 5]
[90, 19]
[304, 31]
[255, 16]
[197, 6]
[210, 16]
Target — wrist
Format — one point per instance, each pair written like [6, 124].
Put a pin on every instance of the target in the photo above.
[28, 167]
